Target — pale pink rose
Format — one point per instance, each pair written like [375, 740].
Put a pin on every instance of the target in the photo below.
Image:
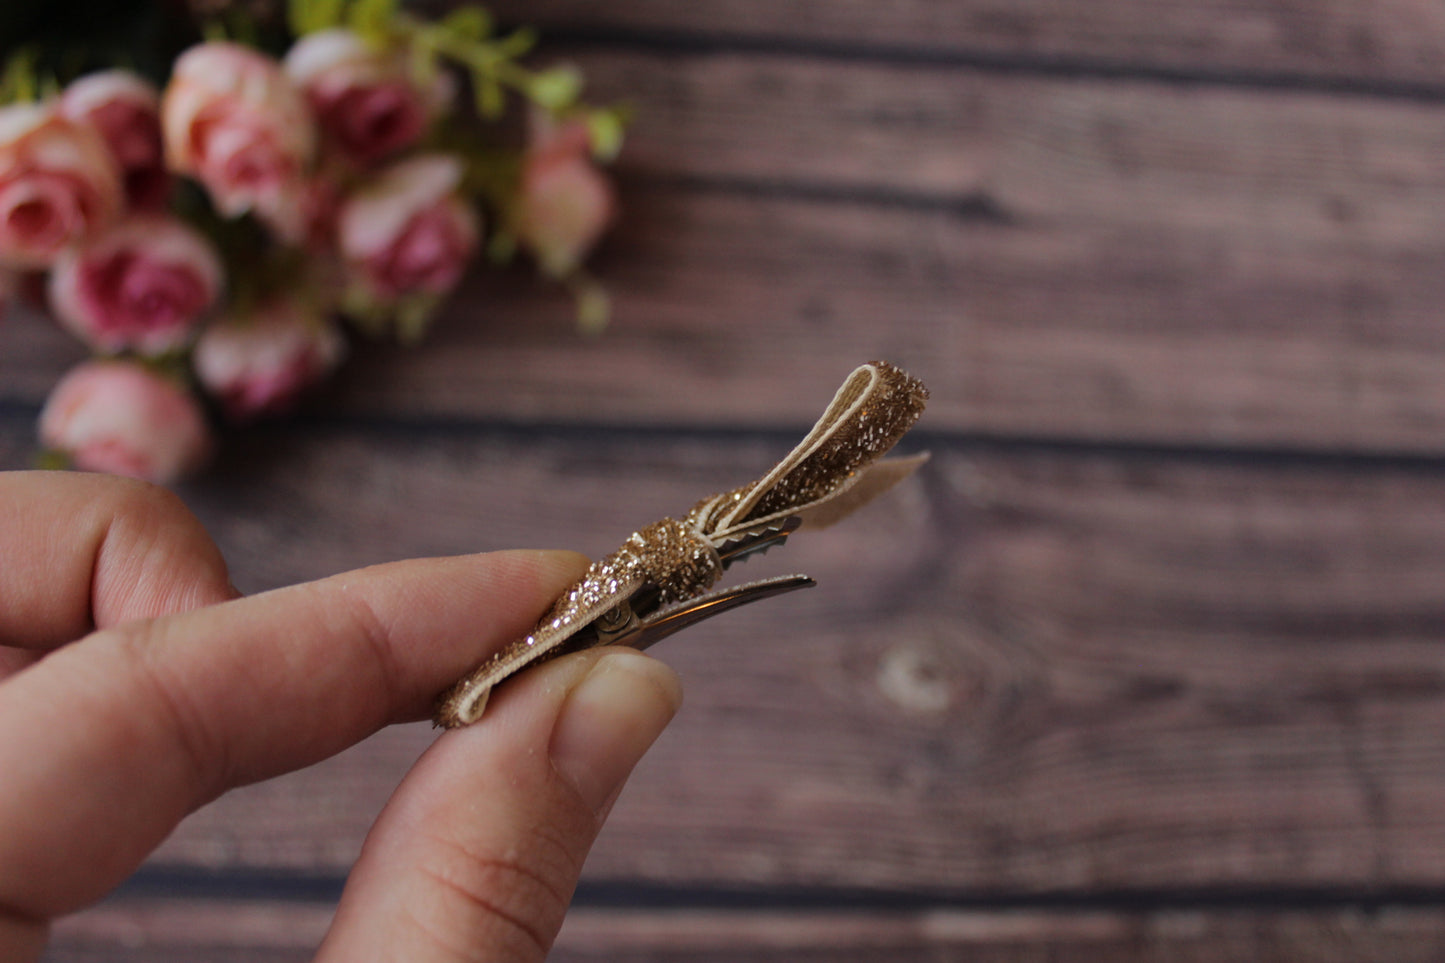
[233, 120]
[409, 231]
[58, 184]
[120, 417]
[261, 362]
[564, 202]
[366, 98]
[125, 108]
[143, 285]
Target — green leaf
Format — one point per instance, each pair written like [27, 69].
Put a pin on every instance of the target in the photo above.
[20, 82]
[365, 313]
[594, 308]
[605, 128]
[373, 18]
[414, 314]
[470, 24]
[491, 99]
[309, 16]
[518, 43]
[556, 89]
[299, 17]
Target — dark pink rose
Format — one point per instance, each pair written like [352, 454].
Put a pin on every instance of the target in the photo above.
[144, 285]
[119, 417]
[259, 363]
[58, 184]
[367, 99]
[564, 202]
[409, 231]
[125, 109]
[233, 120]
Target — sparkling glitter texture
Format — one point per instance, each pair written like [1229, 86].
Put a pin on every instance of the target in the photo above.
[669, 554]
[875, 407]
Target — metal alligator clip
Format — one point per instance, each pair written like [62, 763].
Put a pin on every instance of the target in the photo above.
[640, 622]
[655, 583]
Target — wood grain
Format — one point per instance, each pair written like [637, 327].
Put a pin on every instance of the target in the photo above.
[164, 931]
[1394, 41]
[1037, 147]
[1028, 672]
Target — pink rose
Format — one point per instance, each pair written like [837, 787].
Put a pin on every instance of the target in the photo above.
[58, 183]
[564, 202]
[260, 363]
[143, 285]
[119, 417]
[366, 98]
[234, 121]
[125, 109]
[409, 231]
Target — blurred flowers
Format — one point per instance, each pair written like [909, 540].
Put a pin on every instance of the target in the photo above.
[58, 184]
[142, 286]
[209, 230]
[367, 100]
[124, 108]
[259, 363]
[564, 202]
[408, 231]
[234, 122]
[123, 418]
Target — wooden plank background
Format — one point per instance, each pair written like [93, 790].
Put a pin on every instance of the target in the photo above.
[1146, 666]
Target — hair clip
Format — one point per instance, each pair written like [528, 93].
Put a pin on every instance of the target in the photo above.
[656, 583]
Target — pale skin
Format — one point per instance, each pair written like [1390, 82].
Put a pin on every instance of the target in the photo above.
[136, 685]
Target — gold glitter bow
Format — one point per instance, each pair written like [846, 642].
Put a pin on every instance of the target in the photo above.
[654, 584]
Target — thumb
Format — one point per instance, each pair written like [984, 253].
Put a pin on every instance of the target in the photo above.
[477, 854]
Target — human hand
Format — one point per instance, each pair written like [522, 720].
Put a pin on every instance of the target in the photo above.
[136, 686]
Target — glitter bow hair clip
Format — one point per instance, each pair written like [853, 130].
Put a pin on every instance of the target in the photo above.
[658, 581]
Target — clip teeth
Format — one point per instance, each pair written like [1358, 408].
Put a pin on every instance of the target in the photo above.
[755, 541]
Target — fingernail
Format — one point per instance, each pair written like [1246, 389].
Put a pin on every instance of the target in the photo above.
[609, 720]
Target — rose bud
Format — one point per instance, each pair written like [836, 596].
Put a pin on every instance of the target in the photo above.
[234, 121]
[409, 231]
[142, 286]
[367, 99]
[259, 363]
[564, 202]
[122, 418]
[58, 184]
[125, 109]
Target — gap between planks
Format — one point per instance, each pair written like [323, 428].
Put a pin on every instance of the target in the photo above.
[159, 932]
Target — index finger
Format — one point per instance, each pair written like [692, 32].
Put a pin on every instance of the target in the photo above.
[106, 744]
[82, 551]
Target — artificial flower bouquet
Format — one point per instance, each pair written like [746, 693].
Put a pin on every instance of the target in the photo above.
[214, 231]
